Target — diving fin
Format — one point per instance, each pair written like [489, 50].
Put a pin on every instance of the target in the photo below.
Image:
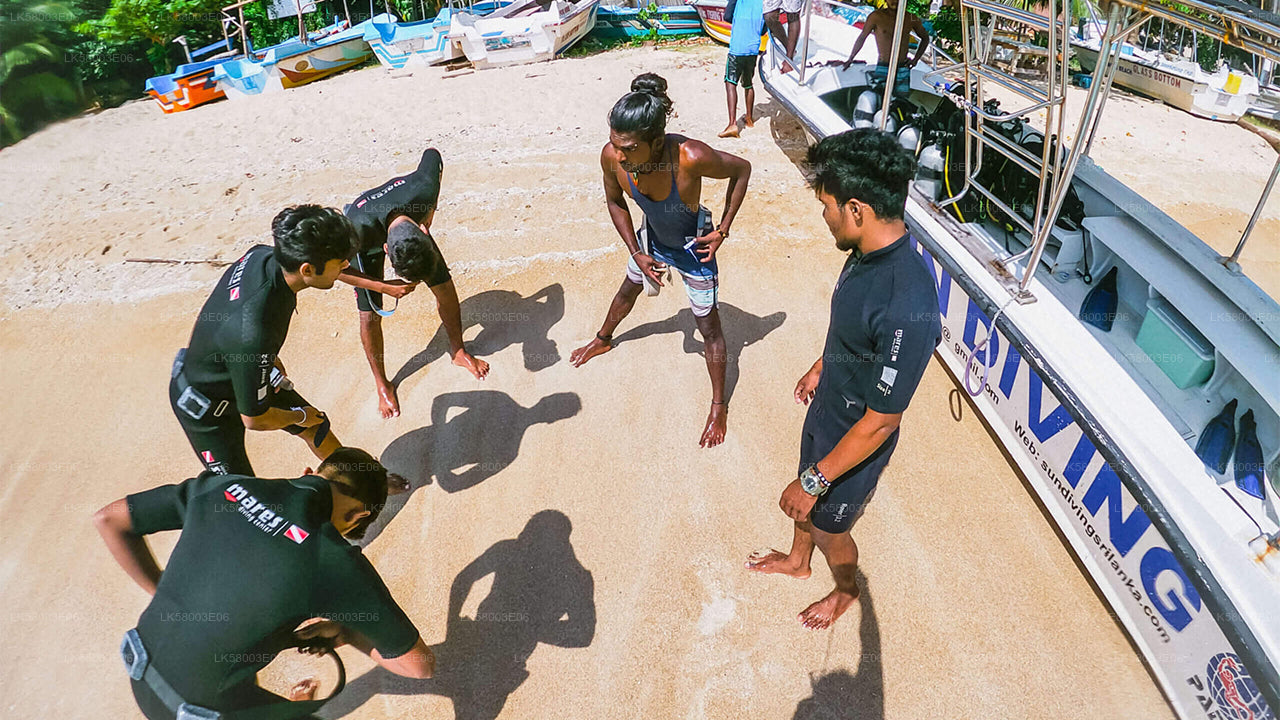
[1249, 471]
[1099, 306]
[1218, 438]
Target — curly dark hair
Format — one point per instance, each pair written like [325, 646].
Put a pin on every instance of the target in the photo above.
[866, 164]
[643, 111]
[359, 476]
[413, 253]
[311, 234]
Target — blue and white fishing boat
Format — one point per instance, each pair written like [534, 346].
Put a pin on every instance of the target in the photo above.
[523, 32]
[295, 62]
[421, 43]
[619, 22]
[1123, 348]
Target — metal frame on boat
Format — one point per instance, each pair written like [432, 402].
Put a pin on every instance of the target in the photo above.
[1101, 430]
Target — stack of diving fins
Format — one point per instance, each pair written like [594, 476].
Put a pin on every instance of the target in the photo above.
[1219, 438]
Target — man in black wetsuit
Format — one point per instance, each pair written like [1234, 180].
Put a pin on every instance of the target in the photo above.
[884, 327]
[229, 377]
[642, 158]
[255, 560]
[394, 219]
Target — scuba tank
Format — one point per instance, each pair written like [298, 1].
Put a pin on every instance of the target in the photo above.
[929, 171]
[865, 109]
[909, 138]
[890, 125]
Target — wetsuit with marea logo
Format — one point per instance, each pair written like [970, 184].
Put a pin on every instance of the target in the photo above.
[884, 327]
[413, 195]
[227, 366]
[255, 558]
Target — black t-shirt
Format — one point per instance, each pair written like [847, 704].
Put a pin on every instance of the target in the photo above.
[240, 331]
[414, 195]
[255, 558]
[884, 327]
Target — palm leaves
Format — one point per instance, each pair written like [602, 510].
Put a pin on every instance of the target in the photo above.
[30, 87]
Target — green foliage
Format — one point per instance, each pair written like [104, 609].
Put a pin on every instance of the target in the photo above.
[264, 31]
[38, 82]
[647, 12]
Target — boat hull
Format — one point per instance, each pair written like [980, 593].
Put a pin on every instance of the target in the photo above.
[615, 22]
[184, 92]
[496, 42]
[1174, 88]
[321, 62]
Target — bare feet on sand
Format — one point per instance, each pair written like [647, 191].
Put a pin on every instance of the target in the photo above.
[304, 690]
[586, 352]
[717, 419]
[478, 368]
[821, 614]
[388, 403]
[731, 131]
[777, 563]
[749, 121]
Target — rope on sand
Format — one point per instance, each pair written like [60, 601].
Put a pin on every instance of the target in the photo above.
[175, 261]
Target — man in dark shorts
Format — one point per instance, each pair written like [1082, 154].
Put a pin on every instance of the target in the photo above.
[402, 209]
[229, 377]
[747, 19]
[884, 327]
[256, 560]
[881, 23]
[677, 231]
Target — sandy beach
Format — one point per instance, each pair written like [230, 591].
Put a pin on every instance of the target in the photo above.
[599, 549]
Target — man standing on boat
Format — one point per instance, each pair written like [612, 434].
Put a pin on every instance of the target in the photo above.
[229, 377]
[790, 35]
[881, 23]
[883, 329]
[394, 220]
[677, 230]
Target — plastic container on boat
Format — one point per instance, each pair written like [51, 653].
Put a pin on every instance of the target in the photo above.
[1174, 345]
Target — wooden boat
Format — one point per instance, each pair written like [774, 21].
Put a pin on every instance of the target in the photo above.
[295, 63]
[522, 32]
[191, 84]
[617, 22]
[421, 43]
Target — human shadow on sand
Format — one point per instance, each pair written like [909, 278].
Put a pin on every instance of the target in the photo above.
[505, 318]
[741, 329]
[840, 695]
[540, 594]
[473, 436]
[788, 133]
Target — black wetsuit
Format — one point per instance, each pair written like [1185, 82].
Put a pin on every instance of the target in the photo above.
[255, 558]
[413, 195]
[229, 361]
[884, 327]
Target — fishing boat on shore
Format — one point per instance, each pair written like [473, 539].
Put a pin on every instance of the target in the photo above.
[297, 62]
[423, 42]
[1224, 95]
[619, 22]
[1125, 366]
[522, 32]
[191, 84]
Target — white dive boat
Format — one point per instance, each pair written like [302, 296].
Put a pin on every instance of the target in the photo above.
[1104, 424]
[522, 32]
[1223, 95]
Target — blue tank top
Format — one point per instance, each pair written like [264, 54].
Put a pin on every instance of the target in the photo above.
[670, 221]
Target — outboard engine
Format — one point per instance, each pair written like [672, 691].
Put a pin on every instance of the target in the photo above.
[864, 110]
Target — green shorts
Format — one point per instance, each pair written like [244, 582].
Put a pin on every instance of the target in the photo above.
[740, 69]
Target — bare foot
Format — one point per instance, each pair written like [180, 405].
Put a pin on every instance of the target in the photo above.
[397, 484]
[779, 563]
[786, 67]
[821, 614]
[713, 433]
[304, 690]
[478, 368]
[596, 347]
[730, 132]
[749, 121]
[388, 403]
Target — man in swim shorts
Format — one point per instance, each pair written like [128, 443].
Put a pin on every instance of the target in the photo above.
[884, 326]
[402, 207]
[881, 23]
[678, 233]
[229, 377]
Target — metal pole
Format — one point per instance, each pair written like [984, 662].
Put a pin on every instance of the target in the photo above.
[1257, 212]
[804, 53]
[1106, 89]
[1064, 182]
[892, 79]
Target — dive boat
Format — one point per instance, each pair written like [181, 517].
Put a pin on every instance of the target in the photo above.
[618, 22]
[522, 32]
[295, 63]
[1123, 347]
[1224, 95]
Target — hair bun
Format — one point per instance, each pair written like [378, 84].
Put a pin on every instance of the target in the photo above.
[651, 84]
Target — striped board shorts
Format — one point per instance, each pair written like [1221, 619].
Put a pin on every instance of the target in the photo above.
[701, 280]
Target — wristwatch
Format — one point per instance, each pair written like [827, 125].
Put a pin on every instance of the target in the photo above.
[813, 481]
